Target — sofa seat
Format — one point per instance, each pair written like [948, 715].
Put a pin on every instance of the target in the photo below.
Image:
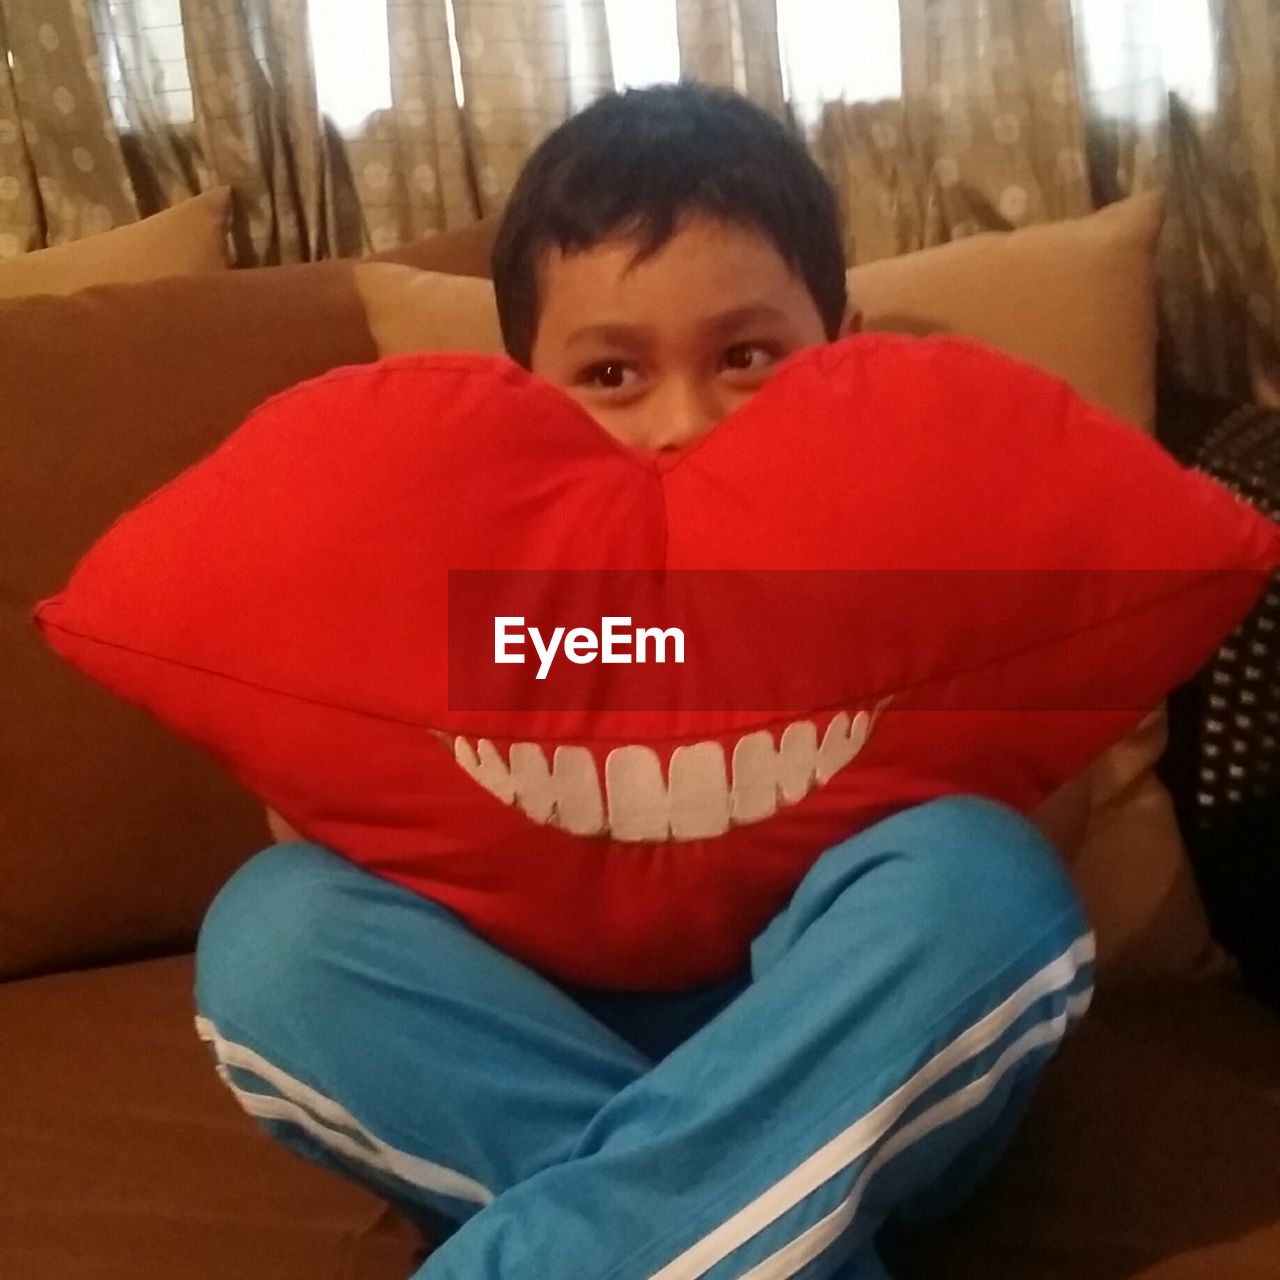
[127, 1158]
[1151, 1152]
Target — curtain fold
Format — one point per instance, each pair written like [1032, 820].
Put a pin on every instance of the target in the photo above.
[734, 44]
[525, 68]
[1199, 117]
[1222, 305]
[21, 217]
[164, 165]
[257, 122]
[422, 178]
[57, 139]
[988, 134]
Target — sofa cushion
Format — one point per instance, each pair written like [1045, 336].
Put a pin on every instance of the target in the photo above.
[464, 251]
[187, 240]
[1076, 297]
[125, 1155]
[1149, 1152]
[114, 836]
[411, 310]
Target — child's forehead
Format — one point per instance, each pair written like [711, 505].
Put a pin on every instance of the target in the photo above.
[700, 250]
[709, 283]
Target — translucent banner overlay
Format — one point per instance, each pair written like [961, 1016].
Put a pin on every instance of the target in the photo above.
[799, 641]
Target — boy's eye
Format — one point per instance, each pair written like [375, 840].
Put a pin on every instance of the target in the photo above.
[608, 375]
[747, 357]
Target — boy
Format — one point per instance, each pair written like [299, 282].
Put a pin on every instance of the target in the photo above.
[662, 253]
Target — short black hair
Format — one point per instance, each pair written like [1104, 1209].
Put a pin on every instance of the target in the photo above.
[634, 163]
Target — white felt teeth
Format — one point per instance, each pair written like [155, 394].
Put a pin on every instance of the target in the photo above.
[700, 796]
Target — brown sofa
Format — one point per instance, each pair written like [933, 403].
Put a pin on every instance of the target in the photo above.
[1152, 1150]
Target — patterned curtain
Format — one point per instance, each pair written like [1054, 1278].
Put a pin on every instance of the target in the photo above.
[523, 72]
[1221, 257]
[112, 109]
[1018, 111]
[62, 169]
[978, 114]
[733, 43]
[988, 132]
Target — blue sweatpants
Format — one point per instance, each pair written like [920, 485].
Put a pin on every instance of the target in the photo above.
[864, 1073]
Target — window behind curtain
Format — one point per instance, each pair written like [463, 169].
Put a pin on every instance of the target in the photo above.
[1133, 52]
[141, 43]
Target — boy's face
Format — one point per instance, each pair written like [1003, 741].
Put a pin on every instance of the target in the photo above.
[658, 351]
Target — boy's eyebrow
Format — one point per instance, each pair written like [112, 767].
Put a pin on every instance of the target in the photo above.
[614, 335]
[739, 317]
[621, 334]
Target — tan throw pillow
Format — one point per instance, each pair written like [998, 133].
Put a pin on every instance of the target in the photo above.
[1077, 298]
[411, 310]
[1132, 871]
[188, 240]
[463, 251]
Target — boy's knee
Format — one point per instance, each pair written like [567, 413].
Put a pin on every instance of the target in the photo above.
[975, 873]
[998, 879]
[261, 928]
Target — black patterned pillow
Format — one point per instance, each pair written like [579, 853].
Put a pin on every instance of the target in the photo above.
[1240, 727]
[1223, 765]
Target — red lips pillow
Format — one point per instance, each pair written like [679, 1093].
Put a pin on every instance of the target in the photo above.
[906, 568]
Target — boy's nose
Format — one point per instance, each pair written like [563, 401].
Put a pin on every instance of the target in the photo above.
[680, 417]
